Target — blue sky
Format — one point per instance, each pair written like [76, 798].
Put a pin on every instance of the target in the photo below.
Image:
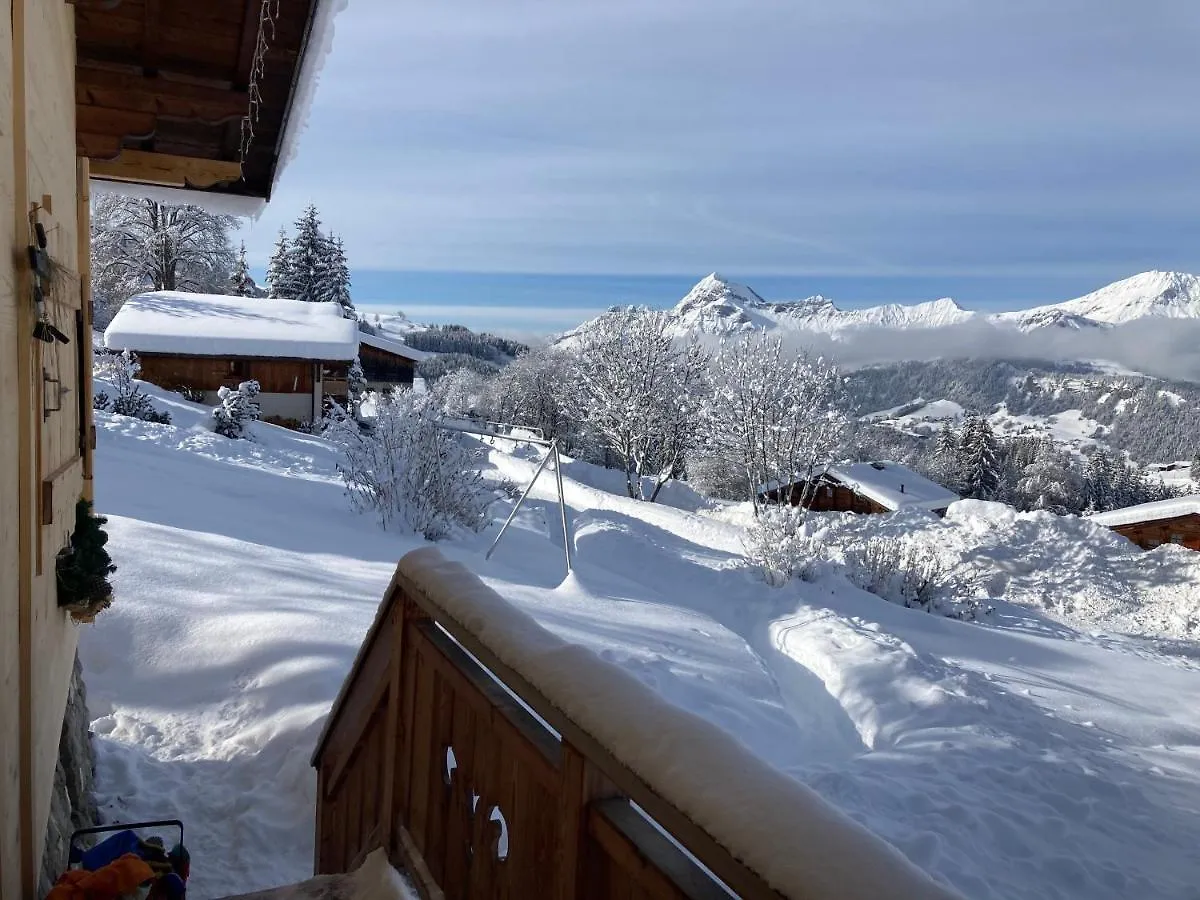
[870, 150]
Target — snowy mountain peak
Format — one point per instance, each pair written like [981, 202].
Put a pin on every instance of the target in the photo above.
[1174, 295]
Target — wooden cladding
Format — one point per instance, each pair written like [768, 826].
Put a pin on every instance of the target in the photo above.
[1182, 530]
[381, 367]
[208, 373]
[430, 756]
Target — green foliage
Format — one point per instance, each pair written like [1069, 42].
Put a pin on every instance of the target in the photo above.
[83, 567]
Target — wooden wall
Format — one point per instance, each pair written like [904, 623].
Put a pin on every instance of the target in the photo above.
[1182, 530]
[208, 373]
[381, 367]
[829, 497]
[42, 453]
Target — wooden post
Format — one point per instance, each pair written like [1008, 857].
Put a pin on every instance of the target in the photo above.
[581, 784]
[87, 428]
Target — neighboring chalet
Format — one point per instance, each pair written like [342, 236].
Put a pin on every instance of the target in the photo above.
[298, 352]
[864, 487]
[178, 94]
[387, 363]
[1149, 525]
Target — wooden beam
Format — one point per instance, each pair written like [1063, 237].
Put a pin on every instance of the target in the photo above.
[83, 255]
[105, 88]
[162, 169]
[150, 34]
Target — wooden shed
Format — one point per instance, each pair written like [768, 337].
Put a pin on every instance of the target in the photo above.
[863, 487]
[387, 363]
[1150, 525]
[298, 352]
[171, 93]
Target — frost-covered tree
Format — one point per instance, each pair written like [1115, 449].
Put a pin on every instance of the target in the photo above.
[240, 282]
[979, 459]
[641, 394]
[121, 371]
[774, 414]
[1050, 481]
[280, 284]
[1194, 471]
[356, 385]
[947, 466]
[462, 393]
[336, 288]
[143, 245]
[309, 259]
[238, 407]
[534, 391]
[409, 471]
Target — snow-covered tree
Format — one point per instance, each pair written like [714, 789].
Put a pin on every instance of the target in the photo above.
[1194, 471]
[947, 466]
[240, 282]
[409, 471]
[238, 407]
[1050, 481]
[336, 288]
[121, 371]
[774, 414]
[534, 390]
[356, 385]
[461, 393]
[143, 245]
[979, 459]
[280, 283]
[309, 259]
[641, 394]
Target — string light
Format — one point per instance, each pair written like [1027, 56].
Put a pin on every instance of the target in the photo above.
[268, 16]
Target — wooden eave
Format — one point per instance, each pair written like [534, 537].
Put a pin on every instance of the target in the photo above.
[162, 88]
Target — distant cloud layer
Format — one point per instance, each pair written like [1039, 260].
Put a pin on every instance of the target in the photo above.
[1165, 348]
[890, 138]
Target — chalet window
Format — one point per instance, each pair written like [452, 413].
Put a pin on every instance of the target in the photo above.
[239, 368]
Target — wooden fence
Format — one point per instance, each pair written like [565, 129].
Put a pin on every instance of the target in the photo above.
[474, 793]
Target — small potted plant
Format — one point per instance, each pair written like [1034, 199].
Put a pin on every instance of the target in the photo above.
[83, 567]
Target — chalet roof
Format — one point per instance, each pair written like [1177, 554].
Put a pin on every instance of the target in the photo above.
[892, 485]
[390, 346]
[174, 322]
[1149, 512]
[208, 96]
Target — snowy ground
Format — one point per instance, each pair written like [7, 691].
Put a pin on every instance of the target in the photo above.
[1040, 755]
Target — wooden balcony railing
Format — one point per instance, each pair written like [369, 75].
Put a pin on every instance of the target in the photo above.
[587, 786]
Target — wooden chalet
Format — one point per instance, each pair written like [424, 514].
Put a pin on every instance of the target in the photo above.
[387, 363]
[299, 353]
[174, 94]
[863, 487]
[1150, 525]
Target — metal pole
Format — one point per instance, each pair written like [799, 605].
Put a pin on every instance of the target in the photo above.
[513, 514]
[562, 503]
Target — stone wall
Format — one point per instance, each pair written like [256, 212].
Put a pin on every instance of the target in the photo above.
[72, 806]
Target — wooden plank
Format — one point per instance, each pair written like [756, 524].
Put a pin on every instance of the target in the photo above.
[65, 472]
[391, 728]
[122, 123]
[414, 866]
[461, 812]
[161, 169]
[441, 789]
[83, 264]
[423, 778]
[580, 784]
[656, 866]
[102, 87]
[248, 41]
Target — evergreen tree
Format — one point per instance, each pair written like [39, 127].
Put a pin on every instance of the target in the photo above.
[240, 282]
[980, 458]
[1195, 470]
[337, 277]
[946, 458]
[309, 259]
[356, 383]
[280, 283]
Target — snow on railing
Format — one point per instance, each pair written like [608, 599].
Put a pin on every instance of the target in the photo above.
[431, 751]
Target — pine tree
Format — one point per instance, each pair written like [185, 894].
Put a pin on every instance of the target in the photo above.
[980, 460]
[1195, 469]
[946, 457]
[309, 259]
[280, 283]
[240, 282]
[356, 383]
[337, 276]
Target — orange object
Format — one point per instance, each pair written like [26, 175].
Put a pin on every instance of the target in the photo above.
[109, 883]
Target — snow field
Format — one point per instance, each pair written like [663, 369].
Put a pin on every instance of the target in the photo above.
[1040, 755]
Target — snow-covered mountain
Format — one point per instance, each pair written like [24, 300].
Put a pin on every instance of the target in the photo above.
[719, 307]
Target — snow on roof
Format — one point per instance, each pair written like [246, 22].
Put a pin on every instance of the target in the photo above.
[1149, 512]
[891, 485]
[390, 346]
[217, 325]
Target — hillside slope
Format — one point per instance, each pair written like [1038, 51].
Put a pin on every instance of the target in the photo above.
[1030, 756]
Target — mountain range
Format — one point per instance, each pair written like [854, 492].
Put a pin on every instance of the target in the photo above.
[719, 307]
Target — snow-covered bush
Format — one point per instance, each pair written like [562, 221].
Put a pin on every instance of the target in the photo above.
[237, 409]
[461, 393]
[780, 545]
[715, 476]
[121, 371]
[410, 471]
[901, 570]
